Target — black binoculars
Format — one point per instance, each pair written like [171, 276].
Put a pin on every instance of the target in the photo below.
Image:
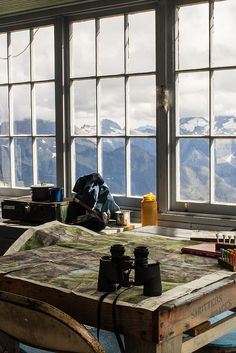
[115, 270]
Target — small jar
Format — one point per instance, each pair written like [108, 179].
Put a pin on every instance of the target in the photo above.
[149, 215]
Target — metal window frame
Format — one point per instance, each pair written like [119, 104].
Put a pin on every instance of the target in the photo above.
[59, 17]
[13, 190]
[127, 201]
[170, 214]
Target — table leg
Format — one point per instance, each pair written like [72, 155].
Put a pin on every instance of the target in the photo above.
[136, 345]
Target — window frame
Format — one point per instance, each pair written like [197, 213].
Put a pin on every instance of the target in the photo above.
[60, 17]
[191, 208]
[15, 25]
[170, 212]
[127, 201]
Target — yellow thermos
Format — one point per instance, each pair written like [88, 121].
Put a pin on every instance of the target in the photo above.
[149, 210]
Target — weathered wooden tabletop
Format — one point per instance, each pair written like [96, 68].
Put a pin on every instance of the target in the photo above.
[59, 264]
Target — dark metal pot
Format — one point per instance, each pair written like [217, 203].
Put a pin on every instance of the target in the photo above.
[41, 192]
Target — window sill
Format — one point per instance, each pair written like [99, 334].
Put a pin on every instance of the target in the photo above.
[196, 221]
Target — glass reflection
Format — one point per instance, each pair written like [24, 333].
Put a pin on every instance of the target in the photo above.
[21, 109]
[142, 105]
[44, 95]
[112, 106]
[225, 169]
[192, 39]
[113, 164]
[43, 53]
[20, 56]
[141, 43]
[193, 170]
[82, 48]
[4, 122]
[5, 172]
[110, 56]
[85, 156]
[223, 49]
[224, 102]
[192, 107]
[83, 107]
[46, 160]
[23, 162]
[143, 166]
[3, 58]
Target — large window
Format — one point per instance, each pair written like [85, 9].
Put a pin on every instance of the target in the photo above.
[142, 92]
[113, 101]
[27, 107]
[206, 106]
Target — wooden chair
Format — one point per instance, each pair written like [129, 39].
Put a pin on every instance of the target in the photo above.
[41, 325]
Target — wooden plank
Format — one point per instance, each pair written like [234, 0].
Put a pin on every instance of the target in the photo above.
[217, 330]
[199, 329]
[84, 308]
[136, 345]
[192, 310]
[173, 345]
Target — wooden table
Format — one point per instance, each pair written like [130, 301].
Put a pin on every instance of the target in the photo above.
[62, 269]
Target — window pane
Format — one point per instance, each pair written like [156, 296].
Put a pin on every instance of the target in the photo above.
[21, 109]
[44, 94]
[110, 56]
[83, 107]
[224, 50]
[43, 53]
[192, 42]
[46, 160]
[85, 156]
[113, 164]
[143, 166]
[112, 106]
[23, 162]
[5, 176]
[4, 122]
[193, 170]
[20, 56]
[141, 43]
[82, 48]
[142, 105]
[192, 104]
[224, 102]
[3, 58]
[225, 169]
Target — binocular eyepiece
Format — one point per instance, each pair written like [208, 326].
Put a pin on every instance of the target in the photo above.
[115, 269]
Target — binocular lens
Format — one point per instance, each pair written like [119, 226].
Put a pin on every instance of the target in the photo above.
[117, 250]
[141, 256]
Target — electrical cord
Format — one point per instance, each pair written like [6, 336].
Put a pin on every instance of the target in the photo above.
[16, 55]
[99, 312]
[114, 317]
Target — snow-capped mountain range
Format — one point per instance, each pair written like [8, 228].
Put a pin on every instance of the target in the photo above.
[194, 157]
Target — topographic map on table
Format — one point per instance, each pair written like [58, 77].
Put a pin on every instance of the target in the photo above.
[69, 256]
